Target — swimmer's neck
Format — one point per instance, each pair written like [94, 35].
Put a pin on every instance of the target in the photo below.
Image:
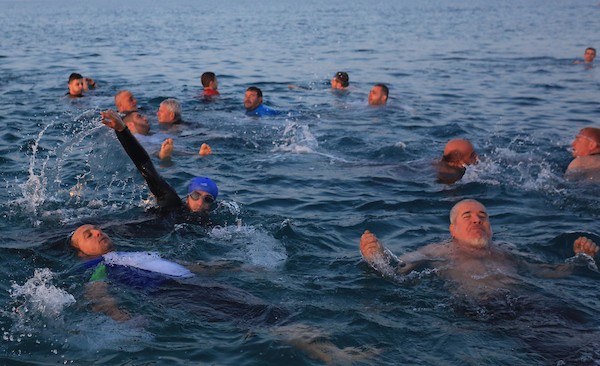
[480, 250]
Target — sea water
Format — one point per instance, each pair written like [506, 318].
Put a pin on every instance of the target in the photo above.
[298, 190]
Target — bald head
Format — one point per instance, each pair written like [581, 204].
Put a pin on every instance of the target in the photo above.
[587, 142]
[459, 152]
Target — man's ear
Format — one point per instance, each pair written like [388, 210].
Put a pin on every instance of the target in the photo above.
[171, 115]
[451, 230]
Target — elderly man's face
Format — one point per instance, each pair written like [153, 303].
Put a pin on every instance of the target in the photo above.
[583, 145]
[91, 241]
[471, 226]
[126, 102]
[165, 115]
[251, 100]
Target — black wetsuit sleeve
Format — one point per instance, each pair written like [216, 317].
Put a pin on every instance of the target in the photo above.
[165, 194]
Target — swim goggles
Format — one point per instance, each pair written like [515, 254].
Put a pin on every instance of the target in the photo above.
[196, 196]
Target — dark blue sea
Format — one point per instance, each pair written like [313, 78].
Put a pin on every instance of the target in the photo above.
[297, 190]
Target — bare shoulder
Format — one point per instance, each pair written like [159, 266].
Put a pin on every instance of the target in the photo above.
[435, 250]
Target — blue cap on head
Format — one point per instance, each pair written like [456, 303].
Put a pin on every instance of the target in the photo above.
[204, 184]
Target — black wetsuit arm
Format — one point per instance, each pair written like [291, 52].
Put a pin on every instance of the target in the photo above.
[165, 194]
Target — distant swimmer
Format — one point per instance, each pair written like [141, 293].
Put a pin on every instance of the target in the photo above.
[202, 191]
[458, 154]
[340, 81]
[75, 86]
[210, 84]
[586, 150]
[378, 95]
[588, 56]
[135, 121]
[253, 102]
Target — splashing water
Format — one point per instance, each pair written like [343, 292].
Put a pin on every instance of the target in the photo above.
[256, 246]
[40, 297]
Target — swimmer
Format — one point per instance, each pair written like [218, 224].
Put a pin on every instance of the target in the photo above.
[253, 102]
[588, 56]
[458, 154]
[470, 260]
[135, 121]
[202, 191]
[378, 95]
[75, 86]
[340, 81]
[210, 84]
[178, 286]
[485, 280]
[169, 112]
[586, 151]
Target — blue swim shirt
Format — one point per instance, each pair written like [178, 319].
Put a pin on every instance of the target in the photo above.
[263, 111]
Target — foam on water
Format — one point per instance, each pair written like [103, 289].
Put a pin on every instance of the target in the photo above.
[253, 245]
[38, 298]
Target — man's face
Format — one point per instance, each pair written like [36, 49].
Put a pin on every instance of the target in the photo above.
[336, 84]
[199, 201]
[471, 226]
[91, 241]
[76, 87]
[377, 97]
[164, 115]
[126, 102]
[137, 123]
[583, 145]
[589, 55]
[251, 100]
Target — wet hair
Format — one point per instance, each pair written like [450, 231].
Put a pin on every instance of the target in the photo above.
[384, 89]
[74, 76]
[343, 78]
[255, 89]
[454, 210]
[207, 77]
[174, 106]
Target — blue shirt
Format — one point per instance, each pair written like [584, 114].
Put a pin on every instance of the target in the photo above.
[263, 111]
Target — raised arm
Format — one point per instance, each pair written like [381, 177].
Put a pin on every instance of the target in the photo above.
[165, 195]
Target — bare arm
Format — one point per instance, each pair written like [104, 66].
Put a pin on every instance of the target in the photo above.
[102, 302]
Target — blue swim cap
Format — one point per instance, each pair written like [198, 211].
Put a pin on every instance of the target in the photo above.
[203, 184]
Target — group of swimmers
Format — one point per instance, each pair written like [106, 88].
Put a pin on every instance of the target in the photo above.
[465, 259]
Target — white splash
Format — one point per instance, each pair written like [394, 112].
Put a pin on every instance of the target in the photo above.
[256, 246]
[40, 296]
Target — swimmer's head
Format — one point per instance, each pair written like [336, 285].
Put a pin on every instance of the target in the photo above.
[253, 98]
[169, 111]
[125, 101]
[378, 95]
[589, 55]
[209, 80]
[459, 153]
[202, 192]
[587, 142]
[341, 80]
[91, 241]
[75, 85]
[470, 225]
